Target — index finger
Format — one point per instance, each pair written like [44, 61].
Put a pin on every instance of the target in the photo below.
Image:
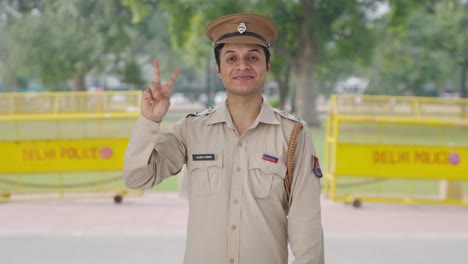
[157, 73]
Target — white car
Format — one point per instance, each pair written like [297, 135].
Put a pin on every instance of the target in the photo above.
[180, 98]
[220, 97]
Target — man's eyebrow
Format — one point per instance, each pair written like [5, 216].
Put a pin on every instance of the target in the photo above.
[232, 51]
[254, 50]
[229, 51]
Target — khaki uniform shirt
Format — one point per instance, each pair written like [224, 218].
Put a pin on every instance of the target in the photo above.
[238, 207]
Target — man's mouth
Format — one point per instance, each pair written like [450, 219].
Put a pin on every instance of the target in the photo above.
[243, 77]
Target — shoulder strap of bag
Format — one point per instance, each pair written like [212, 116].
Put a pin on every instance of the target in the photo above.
[290, 158]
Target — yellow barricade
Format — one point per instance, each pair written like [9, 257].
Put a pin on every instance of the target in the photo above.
[65, 145]
[396, 149]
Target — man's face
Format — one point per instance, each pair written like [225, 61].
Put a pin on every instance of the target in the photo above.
[243, 69]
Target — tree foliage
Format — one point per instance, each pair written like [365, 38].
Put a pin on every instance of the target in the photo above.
[419, 44]
[65, 40]
[309, 31]
[421, 56]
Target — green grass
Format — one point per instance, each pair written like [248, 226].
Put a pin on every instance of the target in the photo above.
[381, 187]
[402, 134]
[367, 133]
[66, 129]
[83, 181]
[71, 182]
[168, 185]
[318, 138]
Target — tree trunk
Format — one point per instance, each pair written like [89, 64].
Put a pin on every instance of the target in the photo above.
[283, 86]
[283, 93]
[79, 103]
[307, 58]
[79, 83]
[10, 79]
[133, 87]
[306, 96]
[14, 85]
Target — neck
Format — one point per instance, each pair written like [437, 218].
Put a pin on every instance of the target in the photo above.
[244, 111]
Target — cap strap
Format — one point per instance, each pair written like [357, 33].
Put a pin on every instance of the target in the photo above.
[234, 34]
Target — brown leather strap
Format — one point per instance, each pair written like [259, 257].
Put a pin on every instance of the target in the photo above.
[290, 158]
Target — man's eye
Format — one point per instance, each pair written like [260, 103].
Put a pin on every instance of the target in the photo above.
[231, 59]
[253, 58]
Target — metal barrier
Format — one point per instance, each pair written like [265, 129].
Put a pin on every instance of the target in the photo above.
[65, 145]
[396, 149]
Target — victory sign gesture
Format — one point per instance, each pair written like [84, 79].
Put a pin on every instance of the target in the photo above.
[155, 101]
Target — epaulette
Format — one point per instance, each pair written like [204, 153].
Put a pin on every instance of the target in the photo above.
[288, 115]
[202, 113]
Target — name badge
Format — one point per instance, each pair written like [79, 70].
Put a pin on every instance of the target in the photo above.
[196, 157]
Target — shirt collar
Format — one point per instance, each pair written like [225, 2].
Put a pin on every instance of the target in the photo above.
[219, 115]
[267, 115]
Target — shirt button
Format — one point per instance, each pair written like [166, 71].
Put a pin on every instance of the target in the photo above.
[231, 260]
[233, 227]
[238, 169]
[239, 144]
[235, 201]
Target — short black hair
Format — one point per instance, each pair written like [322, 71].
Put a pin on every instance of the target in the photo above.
[218, 48]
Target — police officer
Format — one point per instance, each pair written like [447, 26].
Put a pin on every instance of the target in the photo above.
[239, 211]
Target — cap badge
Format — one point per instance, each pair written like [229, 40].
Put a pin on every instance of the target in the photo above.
[241, 28]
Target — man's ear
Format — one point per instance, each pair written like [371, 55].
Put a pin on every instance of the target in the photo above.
[268, 67]
[218, 71]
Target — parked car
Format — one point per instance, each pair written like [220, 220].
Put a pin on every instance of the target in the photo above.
[220, 97]
[180, 98]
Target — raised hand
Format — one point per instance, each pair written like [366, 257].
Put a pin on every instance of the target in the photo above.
[155, 101]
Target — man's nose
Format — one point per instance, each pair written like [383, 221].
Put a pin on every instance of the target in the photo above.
[243, 64]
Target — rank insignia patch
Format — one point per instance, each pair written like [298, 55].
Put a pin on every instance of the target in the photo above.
[316, 167]
[270, 158]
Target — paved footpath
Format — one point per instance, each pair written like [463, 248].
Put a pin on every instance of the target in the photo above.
[152, 227]
[168, 212]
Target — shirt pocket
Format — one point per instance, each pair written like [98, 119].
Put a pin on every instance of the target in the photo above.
[205, 176]
[263, 175]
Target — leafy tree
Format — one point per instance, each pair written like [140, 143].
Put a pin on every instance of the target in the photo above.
[62, 40]
[423, 53]
[309, 31]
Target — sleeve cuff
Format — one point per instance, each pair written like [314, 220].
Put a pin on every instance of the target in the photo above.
[146, 129]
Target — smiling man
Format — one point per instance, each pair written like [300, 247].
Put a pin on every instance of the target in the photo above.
[241, 208]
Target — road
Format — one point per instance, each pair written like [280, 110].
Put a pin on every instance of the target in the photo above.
[151, 229]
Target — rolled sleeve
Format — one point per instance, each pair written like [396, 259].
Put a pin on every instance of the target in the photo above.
[136, 172]
[146, 129]
[304, 219]
[152, 155]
